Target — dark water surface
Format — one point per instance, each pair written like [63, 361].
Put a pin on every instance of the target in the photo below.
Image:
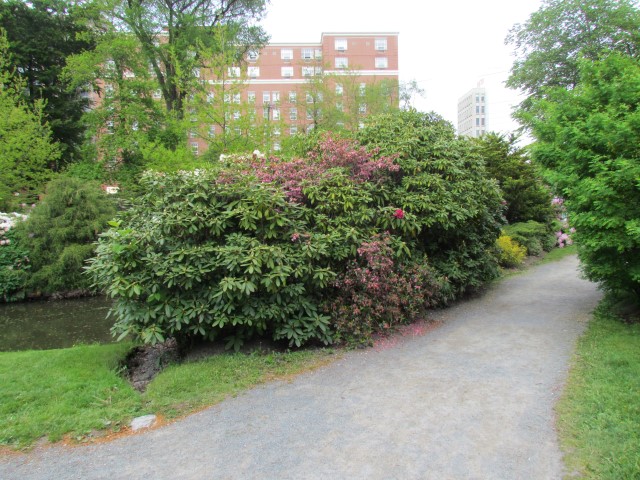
[54, 324]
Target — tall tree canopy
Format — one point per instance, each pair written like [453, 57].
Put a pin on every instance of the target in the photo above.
[42, 34]
[26, 149]
[549, 45]
[588, 139]
[176, 36]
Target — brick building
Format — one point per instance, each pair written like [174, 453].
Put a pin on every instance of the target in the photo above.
[279, 79]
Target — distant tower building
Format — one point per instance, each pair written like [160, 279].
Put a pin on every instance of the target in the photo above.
[472, 112]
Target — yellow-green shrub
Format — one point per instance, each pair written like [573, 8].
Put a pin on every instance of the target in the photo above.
[510, 253]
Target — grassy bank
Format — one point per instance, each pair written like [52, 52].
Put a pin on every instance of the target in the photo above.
[75, 391]
[599, 413]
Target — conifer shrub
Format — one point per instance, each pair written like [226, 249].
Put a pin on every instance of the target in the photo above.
[536, 237]
[60, 232]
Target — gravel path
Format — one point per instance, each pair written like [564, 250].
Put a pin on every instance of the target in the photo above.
[472, 399]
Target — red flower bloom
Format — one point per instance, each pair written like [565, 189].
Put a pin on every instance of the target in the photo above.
[399, 213]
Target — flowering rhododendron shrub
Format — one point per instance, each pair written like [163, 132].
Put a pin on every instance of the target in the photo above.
[268, 246]
[442, 184]
[378, 292]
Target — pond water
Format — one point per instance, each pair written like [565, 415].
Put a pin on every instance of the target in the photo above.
[42, 325]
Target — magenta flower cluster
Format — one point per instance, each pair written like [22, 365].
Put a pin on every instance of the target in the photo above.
[361, 164]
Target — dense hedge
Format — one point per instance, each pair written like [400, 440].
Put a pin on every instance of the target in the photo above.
[279, 247]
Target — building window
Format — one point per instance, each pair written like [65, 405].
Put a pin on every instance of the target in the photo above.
[212, 130]
[236, 115]
[482, 121]
[266, 97]
[341, 44]
[252, 55]
[381, 44]
[482, 109]
[275, 96]
[276, 146]
[195, 148]
[196, 72]
[157, 94]
[265, 112]
[236, 98]
[339, 107]
[293, 97]
[293, 129]
[477, 122]
[293, 113]
[309, 98]
[286, 71]
[339, 89]
[192, 134]
[382, 62]
[309, 114]
[307, 71]
[286, 54]
[342, 62]
[253, 72]
[362, 89]
[307, 53]
[251, 97]
[234, 72]
[318, 54]
[477, 109]
[362, 108]
[276, 114]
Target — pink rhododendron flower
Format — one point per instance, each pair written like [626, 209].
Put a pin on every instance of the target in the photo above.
[399, 213]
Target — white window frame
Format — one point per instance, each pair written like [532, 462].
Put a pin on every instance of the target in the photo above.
[293, 113]
[306, 53]
[286, 54]
[342, 62]
[339, 89]
[266, 97]
[233, 72]
[275, 97]
[293, 129]
[293, 97]
[286, 72]
[236, 97]
[380, 44]
[251, 97]
[309, 98]
[253, 72]
[341, 44]
[252, 55]
[307, 71]
[382, 62]
[195, 148]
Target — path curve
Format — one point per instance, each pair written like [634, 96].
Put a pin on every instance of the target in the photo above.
[472, 399]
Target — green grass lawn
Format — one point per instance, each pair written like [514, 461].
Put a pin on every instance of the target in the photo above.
[599, 413]
[75, 391]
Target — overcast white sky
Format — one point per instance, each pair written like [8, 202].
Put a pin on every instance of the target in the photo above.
[446, 46]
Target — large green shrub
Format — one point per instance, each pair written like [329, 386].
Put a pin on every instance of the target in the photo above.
[527, 197]
[60, 232]
[443, 184]
[263, 246]
[195, 257]
[588, 141]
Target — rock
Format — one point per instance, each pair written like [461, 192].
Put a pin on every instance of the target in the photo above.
[145, 421]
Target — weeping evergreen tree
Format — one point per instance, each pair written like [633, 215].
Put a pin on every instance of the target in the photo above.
[60, 234]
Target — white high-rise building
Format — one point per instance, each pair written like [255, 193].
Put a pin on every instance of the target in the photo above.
[472, 112]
